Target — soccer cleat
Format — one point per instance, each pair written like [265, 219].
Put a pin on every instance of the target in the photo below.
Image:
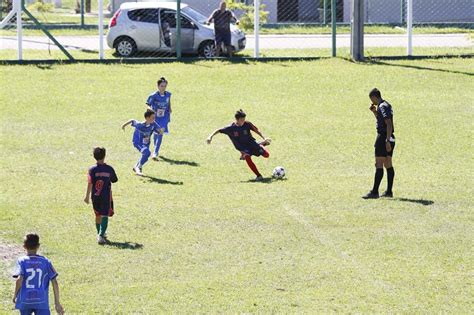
[259, 178]
[387, 194]
[154, 157]
[371, 195]
[101, 240]
[265, 142]
[138, 171]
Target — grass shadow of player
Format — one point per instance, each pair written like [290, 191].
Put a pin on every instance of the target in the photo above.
[125, 245]
[178, 162]
[265, 180]
[418, 67]
[161, 181]
[423, 202]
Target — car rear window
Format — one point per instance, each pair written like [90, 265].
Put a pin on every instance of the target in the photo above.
[144, 15]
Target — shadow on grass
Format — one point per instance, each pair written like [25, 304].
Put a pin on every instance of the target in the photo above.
[265, 180]
[423, 202]
[45, 67]
[382, 63]
[125, 245]
[157, 180]
[178, 162]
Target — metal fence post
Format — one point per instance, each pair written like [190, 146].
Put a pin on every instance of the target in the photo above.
[325, 12]
[19, 27]
[178, 29]
[410, 27]
[101, 29]
[357, 30]
[333, 23]
[256, 28]
[82, 13]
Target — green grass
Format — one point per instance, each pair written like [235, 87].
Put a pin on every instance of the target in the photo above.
[218, 243]
[368, 29]
[31, 54]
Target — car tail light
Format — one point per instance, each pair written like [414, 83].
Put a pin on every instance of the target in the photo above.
[113, 20]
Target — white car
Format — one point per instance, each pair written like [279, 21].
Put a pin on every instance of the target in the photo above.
[151, 27]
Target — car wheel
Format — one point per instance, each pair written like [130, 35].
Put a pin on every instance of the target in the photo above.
[125, 47]
[207, 49]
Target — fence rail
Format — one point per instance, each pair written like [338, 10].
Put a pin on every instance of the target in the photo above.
[86, 29]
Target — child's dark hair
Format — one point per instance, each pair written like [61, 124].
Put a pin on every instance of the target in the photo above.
[240, 114]
[31, 241]
[99, 153]
[161, 80]
[375, 92]
[149, 113]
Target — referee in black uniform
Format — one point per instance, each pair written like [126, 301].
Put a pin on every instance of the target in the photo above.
[384, 144]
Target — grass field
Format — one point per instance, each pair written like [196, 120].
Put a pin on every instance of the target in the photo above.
[370, 53]
[195, 235]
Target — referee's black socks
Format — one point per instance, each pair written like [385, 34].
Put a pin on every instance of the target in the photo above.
[377, 179]
[390, 176]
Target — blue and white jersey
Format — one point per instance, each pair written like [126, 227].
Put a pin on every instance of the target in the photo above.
[161, 105]
[143, 132]
[37, 271]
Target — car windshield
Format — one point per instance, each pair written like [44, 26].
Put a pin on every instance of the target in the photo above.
[195, 15]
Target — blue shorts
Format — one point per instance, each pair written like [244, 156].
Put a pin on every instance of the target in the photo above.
[223, 37]
[163, 123]
[29, 311]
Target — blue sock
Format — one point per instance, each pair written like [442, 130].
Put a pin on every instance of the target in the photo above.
[158, 139]
[145, 155]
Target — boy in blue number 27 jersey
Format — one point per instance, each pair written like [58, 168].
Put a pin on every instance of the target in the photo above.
[33, 274]
[160, 103]
[141, 137]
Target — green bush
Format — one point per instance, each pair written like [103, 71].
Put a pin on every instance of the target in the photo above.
[40, 6]
[246, 19]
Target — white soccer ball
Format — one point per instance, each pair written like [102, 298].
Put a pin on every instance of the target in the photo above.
[279, 172]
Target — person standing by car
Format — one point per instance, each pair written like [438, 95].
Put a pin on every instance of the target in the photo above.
[222, 19]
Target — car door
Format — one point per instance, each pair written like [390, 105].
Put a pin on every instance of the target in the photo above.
[144, 28]
[168, 25]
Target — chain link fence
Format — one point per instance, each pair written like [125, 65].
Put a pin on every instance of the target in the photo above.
[439, 27]
[66, 29]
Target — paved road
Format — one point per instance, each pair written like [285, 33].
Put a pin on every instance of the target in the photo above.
[266, 41]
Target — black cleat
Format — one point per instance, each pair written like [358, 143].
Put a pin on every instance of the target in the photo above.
[371, 195]
[387, 194]
[259, 178]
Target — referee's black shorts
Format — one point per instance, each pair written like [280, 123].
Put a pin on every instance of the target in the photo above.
[380, 149]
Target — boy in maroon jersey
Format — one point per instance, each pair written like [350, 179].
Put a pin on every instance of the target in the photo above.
[99, 189]
[240, 134]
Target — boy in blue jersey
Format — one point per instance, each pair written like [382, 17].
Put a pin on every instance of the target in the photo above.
[240, 134]
[141, 137]
[33, 274]
[99, 187]
[160, 103]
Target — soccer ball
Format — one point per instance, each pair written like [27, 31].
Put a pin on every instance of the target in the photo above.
[278, 172]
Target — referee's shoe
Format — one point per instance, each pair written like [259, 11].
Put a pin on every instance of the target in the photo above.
[371, 195]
